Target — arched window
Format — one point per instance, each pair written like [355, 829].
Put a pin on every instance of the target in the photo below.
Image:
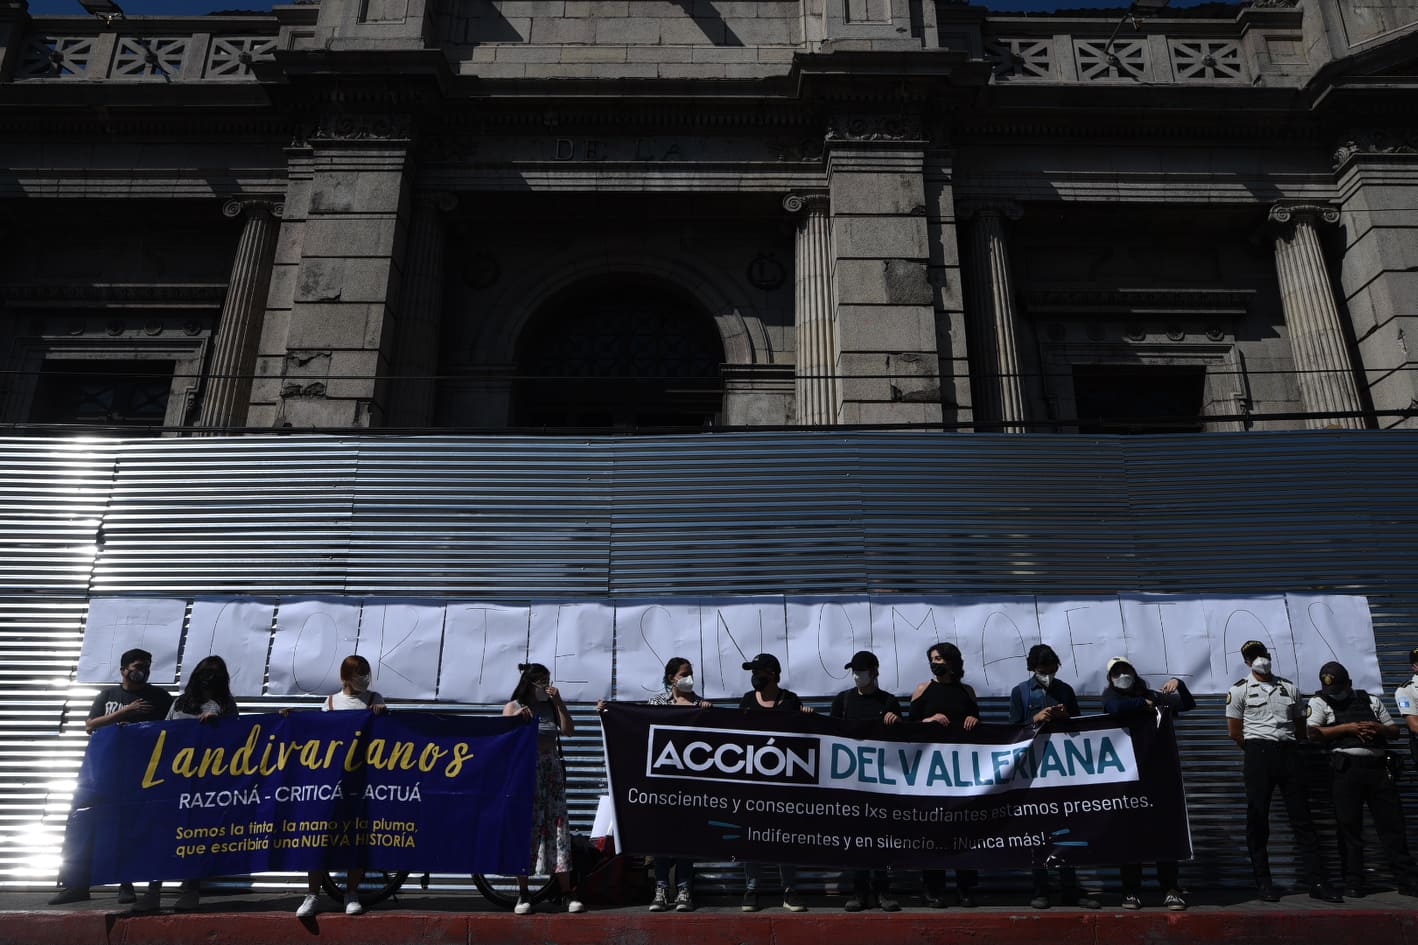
[619, 353]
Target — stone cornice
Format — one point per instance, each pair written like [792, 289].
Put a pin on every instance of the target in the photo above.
[1201, 302]
[1368, 141]
[47, 293]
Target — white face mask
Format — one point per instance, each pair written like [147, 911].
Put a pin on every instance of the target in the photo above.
[685, 684]
[541, 692]
[1261, 665]
[1045, 679]
[863, 678]
[1124, 681]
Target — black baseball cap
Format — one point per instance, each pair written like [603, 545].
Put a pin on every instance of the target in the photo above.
[863, 659]
[764, 663]
[1334, 679]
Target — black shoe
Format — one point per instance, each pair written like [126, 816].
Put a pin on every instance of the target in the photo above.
[1325, 893]
[966, 899]
[935, 902]
[887, 904]
[1040, 901]
[1081, 899]
[1268, 893]
[1353, 892]
[67, 895]
[855, 903]
[750, 901]
[126, 895]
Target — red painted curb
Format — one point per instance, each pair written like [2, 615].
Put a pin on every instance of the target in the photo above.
[1344, 926]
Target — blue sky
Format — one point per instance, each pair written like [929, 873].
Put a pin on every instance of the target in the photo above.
[186, 7]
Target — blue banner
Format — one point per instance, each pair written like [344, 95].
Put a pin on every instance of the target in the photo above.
[311, 791]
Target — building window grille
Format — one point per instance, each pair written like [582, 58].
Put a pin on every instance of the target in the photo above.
[123, 393]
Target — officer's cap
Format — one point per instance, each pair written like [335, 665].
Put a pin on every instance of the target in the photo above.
[1253, 648]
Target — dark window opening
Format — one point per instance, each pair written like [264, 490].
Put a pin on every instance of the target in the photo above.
[619, 355]
[125, 393]
[1139, 399]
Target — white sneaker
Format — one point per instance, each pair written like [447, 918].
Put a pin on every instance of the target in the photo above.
[523, 907]
[575, 905]
[308, 907]
[352, 904]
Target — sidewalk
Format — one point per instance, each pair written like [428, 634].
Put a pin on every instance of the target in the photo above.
[433, 918]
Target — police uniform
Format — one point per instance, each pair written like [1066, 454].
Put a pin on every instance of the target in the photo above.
[1267, 710]
[1406, 696]
[1361, 776]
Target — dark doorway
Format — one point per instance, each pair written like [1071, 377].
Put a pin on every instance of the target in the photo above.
[1139, 398]
[619, 354]
[110, 392]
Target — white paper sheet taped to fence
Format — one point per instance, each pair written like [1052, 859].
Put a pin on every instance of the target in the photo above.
[468, 652]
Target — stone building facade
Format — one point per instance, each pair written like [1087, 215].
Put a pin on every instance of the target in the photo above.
[629, 214]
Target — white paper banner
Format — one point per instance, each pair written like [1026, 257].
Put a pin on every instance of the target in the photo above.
[573, 640]
[239, 631]
[823, 634]
[118, 624]
[312, 637]
[402, 641]
[734, 632]
[482, 645]
[648, 636]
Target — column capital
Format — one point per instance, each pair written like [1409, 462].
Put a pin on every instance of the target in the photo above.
[1300, 211]
[798, 203]
[989, 207]
[238, 206]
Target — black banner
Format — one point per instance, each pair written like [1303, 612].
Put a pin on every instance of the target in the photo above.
[721, 784]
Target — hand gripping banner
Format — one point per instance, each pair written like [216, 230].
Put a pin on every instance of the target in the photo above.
[312, 791]
[720, 784]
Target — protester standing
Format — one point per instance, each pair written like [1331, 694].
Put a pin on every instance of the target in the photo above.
[767, 695]
[678, 691]
[1355, 727]
[866, 701]
[1041, 700]
[536, 699]
[354, 695]
[1265, 717]
[132, 700]
[947, 701]
[1128, 698]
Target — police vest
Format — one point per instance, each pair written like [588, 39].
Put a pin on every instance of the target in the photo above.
[1357, 709]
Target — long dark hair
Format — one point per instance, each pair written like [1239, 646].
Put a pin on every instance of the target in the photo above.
[1139, 685]
[209, 681]
[672, 667]
[525, 692]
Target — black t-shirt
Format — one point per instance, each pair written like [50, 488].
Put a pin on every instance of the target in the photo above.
[853, 706]
[788, 701]
[113, 698]
[954, 700]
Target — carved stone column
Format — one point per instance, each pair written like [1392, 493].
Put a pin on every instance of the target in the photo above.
[1321, 352]
[411, 400]
[814, 314]
[996, 357]
[239, 332]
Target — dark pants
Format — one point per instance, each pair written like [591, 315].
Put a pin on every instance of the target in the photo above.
[1068, 881]
[1359, 781]
[1132, 877]
[1271, 765]
[684, 871]
[76, 862]
[935, 881]
[865, 881]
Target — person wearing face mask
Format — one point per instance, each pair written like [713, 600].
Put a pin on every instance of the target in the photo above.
[535, 698]
[354, 695]
[132, 700]
[1127, 697]
[865, 701]
[1406, 696]
[1265, 717]
[1039, 700]
[206, 697]
[678, 691]
[768, 696]
[946, 701]
[1355, 727]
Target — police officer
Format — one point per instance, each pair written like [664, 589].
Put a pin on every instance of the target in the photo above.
[1356, 727]
[1265, 717]
[1407, 698]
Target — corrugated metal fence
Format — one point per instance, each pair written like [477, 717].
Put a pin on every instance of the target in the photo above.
[514, 518]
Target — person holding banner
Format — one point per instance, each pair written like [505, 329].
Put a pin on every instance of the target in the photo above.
[866, 701]
[1039, 700]
[134, 699]
[536, 699]
[947, 701]
[1128, 698]
[678, 691]
[767, 696]
[205, 698]
[1355, 727]
[1264, 716]
[354, 695]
